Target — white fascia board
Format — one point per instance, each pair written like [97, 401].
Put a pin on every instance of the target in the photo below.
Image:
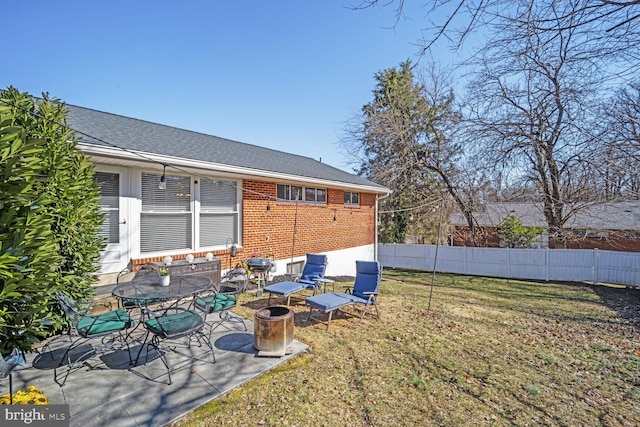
[97, 151]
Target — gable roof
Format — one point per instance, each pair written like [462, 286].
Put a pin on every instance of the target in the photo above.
[596, 216]
[129, 135]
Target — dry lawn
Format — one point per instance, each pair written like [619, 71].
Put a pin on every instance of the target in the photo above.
[488, 352]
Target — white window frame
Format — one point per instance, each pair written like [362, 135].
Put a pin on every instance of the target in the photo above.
[110, 207]
[288, 192]
[226, 212]
[350, 196]
[196, 213]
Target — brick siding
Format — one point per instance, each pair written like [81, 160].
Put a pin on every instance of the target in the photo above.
[615, 241]
[271, 231]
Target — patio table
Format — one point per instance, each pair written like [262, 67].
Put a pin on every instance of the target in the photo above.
[141, 293]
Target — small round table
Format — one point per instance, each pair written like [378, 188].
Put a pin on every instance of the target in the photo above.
[145, 291]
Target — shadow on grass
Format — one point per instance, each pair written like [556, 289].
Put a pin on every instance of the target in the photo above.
[623, 300]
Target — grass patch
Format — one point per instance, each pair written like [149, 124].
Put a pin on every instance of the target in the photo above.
[489, 352]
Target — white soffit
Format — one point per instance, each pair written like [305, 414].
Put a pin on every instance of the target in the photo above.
[119, 157]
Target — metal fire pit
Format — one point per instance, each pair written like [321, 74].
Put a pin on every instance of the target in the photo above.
[273, 331]
[259, 265]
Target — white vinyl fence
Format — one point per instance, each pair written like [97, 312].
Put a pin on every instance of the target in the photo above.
[580, 265]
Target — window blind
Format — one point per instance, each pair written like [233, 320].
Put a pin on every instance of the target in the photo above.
[109, 185]
[218, 212]
[166, 218]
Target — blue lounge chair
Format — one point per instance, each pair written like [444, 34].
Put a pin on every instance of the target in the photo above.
[313, 270]
[364, 291]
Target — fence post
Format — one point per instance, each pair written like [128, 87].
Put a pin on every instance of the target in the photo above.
[465, 267]
[595, 266]
[395, 262]
[547, 267]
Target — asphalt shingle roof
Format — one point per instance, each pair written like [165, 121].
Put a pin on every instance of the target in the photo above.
[598, 216]
[107, 129]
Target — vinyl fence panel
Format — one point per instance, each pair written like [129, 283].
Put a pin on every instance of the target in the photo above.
[570, 265]
[617, 267]
[580, 265]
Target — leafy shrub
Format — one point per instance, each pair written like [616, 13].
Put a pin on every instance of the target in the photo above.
[49, 218]
[515, 235]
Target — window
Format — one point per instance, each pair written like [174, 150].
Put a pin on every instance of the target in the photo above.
[351, 198]
[178, 218]
[598, 234]
[306, 194]
[295, 267]
[589, 233]
[634, 235]
[109, 184]
[218, 212]
[288, 192]
[315, 195]
[166, 218]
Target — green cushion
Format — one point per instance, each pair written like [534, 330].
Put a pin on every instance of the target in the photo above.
[174, 323]
[215, 303]
[112, 321]
[144, 299]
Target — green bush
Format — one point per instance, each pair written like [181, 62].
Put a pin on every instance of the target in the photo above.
[49, 218]
[515, 235]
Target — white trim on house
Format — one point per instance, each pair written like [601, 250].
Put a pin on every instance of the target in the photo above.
[190, 165]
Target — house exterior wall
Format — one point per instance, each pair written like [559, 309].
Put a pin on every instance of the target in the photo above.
[625, 241]
[271, 231]
[268, 229]
[339, 262]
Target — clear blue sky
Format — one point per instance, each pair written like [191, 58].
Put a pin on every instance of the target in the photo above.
[281, 74]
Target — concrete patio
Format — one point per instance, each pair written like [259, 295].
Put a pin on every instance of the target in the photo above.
[107, 391]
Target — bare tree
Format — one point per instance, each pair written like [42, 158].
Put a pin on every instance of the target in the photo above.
[529, 107]
[618, 157]
[616, 22]
[403, 139]
[535, 110]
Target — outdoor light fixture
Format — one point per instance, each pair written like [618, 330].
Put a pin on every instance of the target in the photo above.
[335, 211]
[269, 204]
[163, 178]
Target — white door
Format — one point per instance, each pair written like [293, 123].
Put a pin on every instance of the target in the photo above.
[115, 255]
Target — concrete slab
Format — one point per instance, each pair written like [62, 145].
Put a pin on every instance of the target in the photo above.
[107, 391]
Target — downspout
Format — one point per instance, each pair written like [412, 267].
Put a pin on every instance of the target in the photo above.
[375, 246]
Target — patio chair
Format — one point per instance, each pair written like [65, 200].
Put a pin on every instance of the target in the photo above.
[144, 274]
[109, 327]
[222, 298]
[172, 323]
[312, 272]
[363, 292]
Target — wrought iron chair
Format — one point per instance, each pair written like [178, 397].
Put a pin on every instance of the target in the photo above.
[312, 272]
[109, 327]
[144, 274]
[363, 292]
[222, 298]
[172, 323]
